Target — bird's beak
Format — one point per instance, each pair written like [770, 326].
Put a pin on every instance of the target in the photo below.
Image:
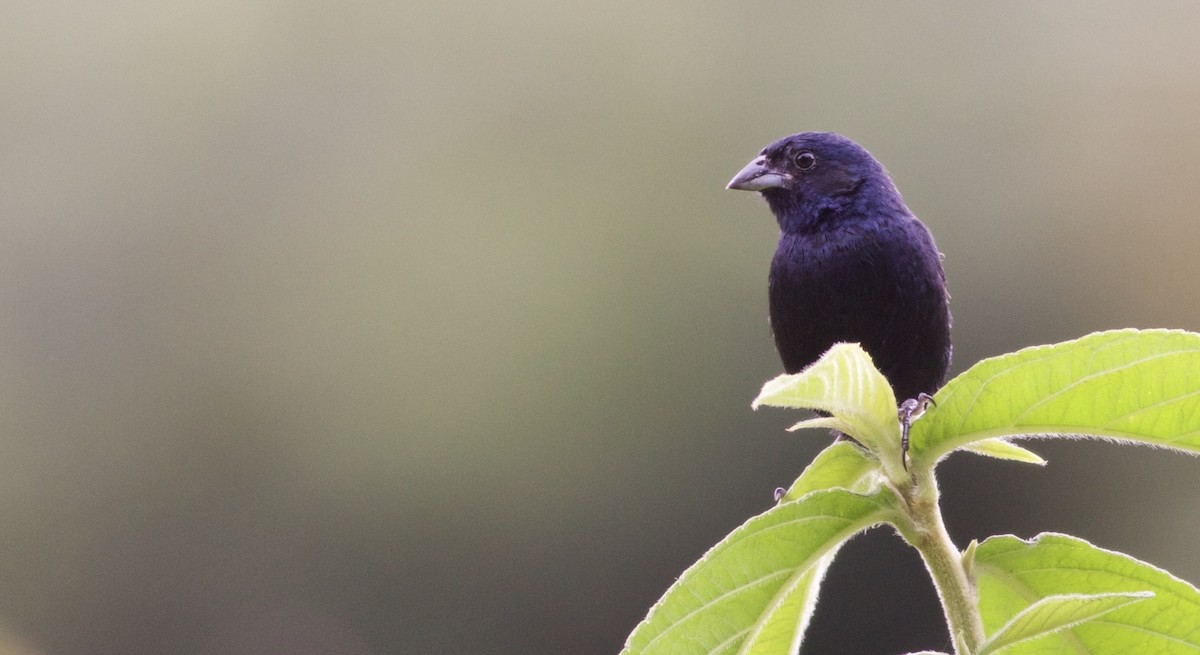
[757, 176]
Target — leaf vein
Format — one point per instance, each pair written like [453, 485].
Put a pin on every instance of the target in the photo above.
[1093, 376]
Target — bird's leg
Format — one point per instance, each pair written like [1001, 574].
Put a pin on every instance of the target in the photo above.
[909, 411]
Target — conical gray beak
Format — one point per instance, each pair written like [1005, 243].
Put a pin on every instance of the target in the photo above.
[756, 176]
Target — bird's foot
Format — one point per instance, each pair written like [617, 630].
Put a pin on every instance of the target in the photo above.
[909, 411]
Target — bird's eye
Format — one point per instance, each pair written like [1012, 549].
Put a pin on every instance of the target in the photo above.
[805, 161]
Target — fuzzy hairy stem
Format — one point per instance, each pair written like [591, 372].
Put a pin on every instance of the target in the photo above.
[923, 528]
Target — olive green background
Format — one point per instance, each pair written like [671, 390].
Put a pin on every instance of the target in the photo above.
[428, 327]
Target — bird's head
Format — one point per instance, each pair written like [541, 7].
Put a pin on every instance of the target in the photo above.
[812, 177]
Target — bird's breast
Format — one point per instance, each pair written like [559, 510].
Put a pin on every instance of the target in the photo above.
[872, 286]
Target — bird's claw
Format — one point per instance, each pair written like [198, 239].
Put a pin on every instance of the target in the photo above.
[909, 411]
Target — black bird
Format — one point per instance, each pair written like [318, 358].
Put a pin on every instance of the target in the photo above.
[853, 263]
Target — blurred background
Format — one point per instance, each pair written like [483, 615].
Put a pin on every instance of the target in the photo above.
[429, 327]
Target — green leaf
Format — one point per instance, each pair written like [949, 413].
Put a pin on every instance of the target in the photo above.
[847, 386]
[782, 626]
[758, 583]
[1054, 613]
[1004, 449]
[1012, 575]
[968, 559]
[1131, 385]
[842, 465]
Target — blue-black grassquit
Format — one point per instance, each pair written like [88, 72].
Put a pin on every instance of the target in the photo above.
[853, 263]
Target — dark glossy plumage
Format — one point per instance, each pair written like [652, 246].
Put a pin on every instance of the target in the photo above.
[853, 263]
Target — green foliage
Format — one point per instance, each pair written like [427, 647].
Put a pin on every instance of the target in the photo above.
[1130, 385]
[755, 591]
[1014, 575]
[855, 395]
[840, 466]
[1054, 613]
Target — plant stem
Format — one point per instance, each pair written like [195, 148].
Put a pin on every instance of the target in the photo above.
[926, 532]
